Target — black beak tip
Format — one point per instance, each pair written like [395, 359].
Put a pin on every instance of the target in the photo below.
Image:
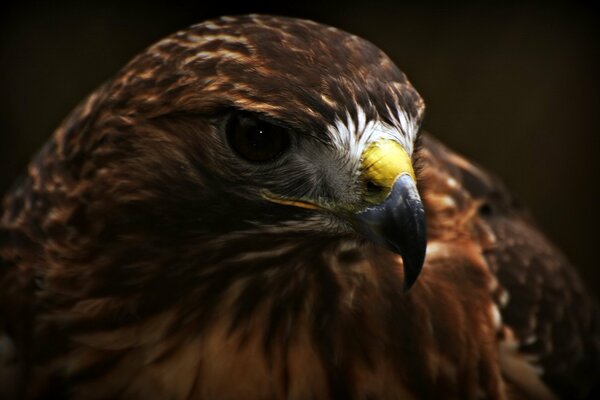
[413, 243]
[412, 267]
[399, 224]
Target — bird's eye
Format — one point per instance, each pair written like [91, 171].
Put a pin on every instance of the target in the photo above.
[256, 140]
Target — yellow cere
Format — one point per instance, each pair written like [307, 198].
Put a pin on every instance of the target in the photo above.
[383, 161]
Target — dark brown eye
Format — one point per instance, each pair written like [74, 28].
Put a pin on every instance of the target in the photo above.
[256, 140]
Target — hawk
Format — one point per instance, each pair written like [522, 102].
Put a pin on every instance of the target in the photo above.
[249, 210]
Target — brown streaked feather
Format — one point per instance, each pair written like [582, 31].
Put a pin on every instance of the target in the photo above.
[120, 279]
[550, 321]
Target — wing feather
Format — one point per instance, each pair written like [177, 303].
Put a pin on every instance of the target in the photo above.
[548, 316]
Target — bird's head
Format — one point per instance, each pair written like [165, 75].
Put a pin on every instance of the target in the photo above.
[266, 124]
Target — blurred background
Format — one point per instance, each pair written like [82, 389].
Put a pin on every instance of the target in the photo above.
[514, 86]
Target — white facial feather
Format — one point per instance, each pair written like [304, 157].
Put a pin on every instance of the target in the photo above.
[354, 138]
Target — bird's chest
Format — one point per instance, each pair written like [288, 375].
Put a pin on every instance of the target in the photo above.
[358, 343]
[219, 364]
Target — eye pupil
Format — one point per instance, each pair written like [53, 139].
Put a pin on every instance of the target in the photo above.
[256, 140]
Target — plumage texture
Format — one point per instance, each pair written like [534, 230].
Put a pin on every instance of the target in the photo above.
[138, 259]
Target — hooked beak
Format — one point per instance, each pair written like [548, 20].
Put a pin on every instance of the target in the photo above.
[395, 217]
[398, 223]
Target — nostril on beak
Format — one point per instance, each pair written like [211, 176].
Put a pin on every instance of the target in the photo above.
[372, 187]
[374, 192]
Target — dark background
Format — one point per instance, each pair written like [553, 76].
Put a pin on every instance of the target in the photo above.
[512, 85]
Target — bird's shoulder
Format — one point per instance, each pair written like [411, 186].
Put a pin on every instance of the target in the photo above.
[547, 318]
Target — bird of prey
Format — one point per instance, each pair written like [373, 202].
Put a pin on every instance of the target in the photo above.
[249, 210]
